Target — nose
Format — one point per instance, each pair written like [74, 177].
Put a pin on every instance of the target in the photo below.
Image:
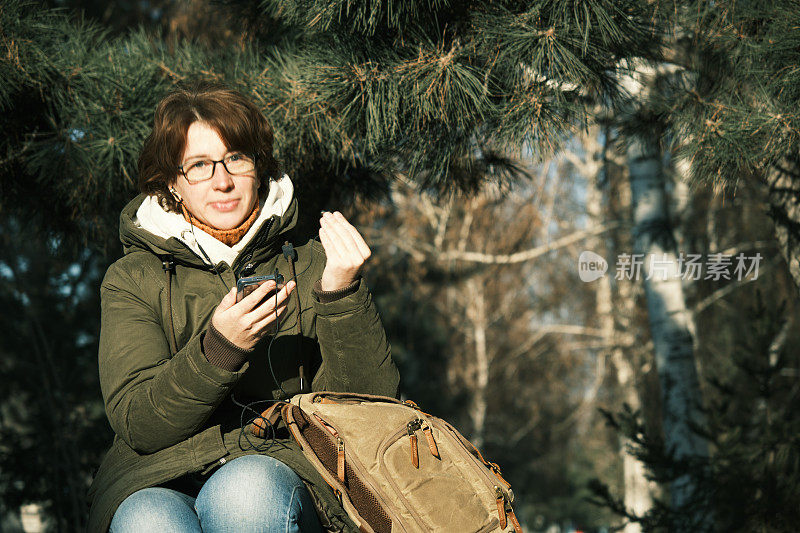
[221, 180]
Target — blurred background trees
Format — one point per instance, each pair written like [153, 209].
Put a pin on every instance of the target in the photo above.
[480, 147]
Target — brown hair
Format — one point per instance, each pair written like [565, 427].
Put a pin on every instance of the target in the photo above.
[240, 124]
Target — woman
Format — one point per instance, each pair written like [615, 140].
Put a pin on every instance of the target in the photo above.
[179, 356]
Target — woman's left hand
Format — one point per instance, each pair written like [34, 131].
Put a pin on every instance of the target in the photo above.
[346, 251]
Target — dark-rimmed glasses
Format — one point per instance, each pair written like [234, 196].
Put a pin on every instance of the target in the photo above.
[235, 164]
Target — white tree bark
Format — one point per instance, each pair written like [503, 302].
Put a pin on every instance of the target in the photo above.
[679, 198]
[636, 489]
[668, 316]
[476, 313]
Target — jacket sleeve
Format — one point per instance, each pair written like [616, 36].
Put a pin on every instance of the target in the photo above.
[152, 401]
[356, 356]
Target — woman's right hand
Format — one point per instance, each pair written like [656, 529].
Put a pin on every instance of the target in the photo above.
[246, 322]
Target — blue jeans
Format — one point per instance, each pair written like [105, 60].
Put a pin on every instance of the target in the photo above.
[253, 493]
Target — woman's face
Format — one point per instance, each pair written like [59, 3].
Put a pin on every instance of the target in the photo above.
[224, 201]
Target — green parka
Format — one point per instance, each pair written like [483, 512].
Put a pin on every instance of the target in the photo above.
[172, 414]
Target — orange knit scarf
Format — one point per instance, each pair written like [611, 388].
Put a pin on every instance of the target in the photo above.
[225, 236]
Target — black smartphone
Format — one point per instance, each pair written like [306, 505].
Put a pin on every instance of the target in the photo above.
[247, 285]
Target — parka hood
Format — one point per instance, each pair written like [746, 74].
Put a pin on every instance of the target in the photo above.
[144, 224]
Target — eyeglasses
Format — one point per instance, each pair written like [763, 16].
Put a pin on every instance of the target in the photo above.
[236, 164]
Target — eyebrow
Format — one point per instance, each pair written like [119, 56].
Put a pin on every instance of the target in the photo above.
[201, 156]
[205, 156]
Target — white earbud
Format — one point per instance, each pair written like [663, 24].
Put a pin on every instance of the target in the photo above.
[176, 195]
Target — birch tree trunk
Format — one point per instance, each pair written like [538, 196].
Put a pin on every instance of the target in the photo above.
[476, 313]
[681, 213]
[670, 321]
[636, 489]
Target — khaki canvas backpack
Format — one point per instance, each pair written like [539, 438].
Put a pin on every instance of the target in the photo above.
[395, 468]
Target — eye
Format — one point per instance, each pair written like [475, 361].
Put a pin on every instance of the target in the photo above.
[197, 165]
[237, 156]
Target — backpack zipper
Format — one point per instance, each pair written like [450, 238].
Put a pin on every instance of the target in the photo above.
[411, 428]
[357, 468]
[503, 497]
[428, 431]
[340, 458]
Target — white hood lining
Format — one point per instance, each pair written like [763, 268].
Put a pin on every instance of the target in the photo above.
[153, 218]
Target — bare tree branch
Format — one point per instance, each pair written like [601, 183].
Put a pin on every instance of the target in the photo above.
[541, 333]
[526, 255]
[718, 294]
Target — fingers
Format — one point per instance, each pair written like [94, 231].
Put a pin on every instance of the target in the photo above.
[228, 300]
[331, 249]
[246, 322]
[252, 300]
[269, 305]
[335, 227]
[271, 318]
[341, 240]
[361, 245]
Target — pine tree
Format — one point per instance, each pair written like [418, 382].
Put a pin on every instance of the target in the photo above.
[53, 427]
[355, 91]
[732, 111]
[752, 480]
[359, 91]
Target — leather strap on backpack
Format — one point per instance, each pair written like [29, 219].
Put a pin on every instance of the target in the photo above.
[268, 418]
[501, 507]
[513, 518]
[426, 429]
[506, 512]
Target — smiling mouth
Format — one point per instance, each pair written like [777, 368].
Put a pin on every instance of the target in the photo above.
[225, 206]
